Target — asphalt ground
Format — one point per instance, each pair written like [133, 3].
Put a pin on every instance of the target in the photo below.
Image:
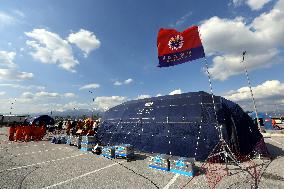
[45, 165]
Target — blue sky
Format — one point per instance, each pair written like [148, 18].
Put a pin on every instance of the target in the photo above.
[53, 52]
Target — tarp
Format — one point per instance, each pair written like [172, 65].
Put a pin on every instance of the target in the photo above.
[182, 125]
[265, 120]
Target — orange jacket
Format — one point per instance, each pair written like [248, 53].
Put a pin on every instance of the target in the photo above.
[273, 122]
[12, 130]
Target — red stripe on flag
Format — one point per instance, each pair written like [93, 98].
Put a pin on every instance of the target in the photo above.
[187, 39]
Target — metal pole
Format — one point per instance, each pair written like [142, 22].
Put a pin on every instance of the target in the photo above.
[252, 97]
[213, 100]
[212, 95]
[93, 100]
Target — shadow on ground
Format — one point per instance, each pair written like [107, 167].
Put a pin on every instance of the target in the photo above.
[274, 151]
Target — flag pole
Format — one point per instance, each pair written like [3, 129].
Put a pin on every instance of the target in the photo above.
[212, 95]
[219, 127]
[252, 97]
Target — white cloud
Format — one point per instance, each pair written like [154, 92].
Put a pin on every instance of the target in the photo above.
[268, 89]
[18, 86]
[6, 59]
[50, 48]
[28, 95]
[19, 13]
[177, 91]
[225, 39]
[71, 106]
[256, 4]
[69, 95]
[237, 2]
[12, 74]
[106, 102]
[8, 69]
[228, 65]
[158, 95]
[253, 4]
[6, 19]
[40, 95]
[181, 20]
[2, 93]
[126, 82]
[46, 94]
[117, 83]
[90, 86]
[268, 96]
[85, 40]
[143, 96]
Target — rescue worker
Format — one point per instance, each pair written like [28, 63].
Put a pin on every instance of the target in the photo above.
[42, 130]
[19, 133]
[273, 122]
[12, 131]
[28, 131]
[68, 127]
[33, 131]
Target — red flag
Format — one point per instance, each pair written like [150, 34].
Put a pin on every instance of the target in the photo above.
[178, 47]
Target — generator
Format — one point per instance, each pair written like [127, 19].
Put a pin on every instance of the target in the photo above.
[108, 151]
[125, 151]
[160, 162]
[88, 143]
[182, 165]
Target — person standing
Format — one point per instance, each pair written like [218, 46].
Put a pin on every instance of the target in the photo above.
[42, 130]
[28, 132]
[59, 127]
[19, 133]
[68, 127]
[12, 131]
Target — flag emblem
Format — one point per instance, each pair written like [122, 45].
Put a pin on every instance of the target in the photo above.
[179, 47]
[176, 42]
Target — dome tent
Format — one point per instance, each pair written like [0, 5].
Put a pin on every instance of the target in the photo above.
[46, 119]
[182, 125]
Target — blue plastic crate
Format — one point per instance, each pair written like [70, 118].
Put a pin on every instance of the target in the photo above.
[159, 168]
[86, 149]
[190, 174]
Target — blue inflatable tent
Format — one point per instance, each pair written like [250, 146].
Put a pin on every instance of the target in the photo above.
[181, 125]
[46, 119]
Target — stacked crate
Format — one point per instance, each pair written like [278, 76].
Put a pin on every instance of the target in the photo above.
[159, 161]
[68, 139]
[77, 141]
[88, 143]
[72, 140]
[124, 150]
[63, 139]
[58, 140]
[108, 151]
[182, 165]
